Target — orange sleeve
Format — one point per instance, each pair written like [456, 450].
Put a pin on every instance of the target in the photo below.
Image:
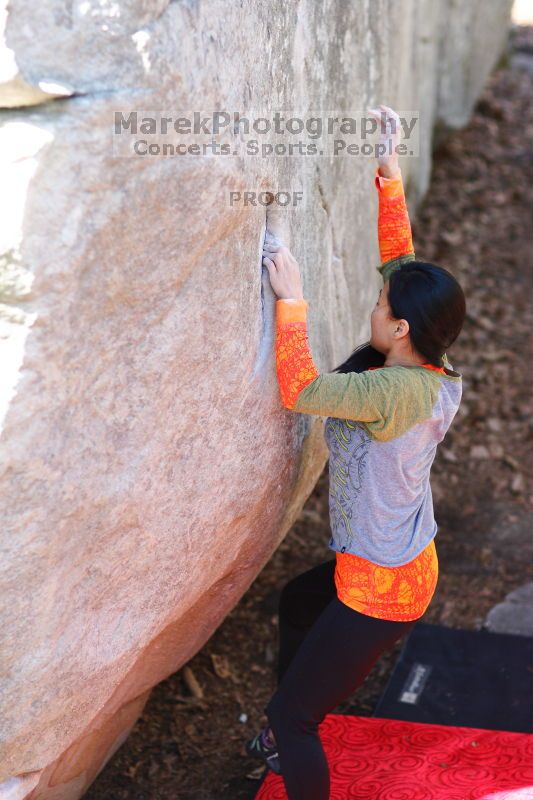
[294, 363]
[394, 228]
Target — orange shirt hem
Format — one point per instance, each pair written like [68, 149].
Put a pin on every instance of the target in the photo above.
[393, 593]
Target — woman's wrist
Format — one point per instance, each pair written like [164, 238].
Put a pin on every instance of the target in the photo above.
[389, 170]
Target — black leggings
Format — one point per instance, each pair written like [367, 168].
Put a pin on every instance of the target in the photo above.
[326, 650]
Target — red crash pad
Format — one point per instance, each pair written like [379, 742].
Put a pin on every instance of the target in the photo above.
[389, 759]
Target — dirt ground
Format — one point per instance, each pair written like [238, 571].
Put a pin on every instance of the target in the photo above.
[477, 220]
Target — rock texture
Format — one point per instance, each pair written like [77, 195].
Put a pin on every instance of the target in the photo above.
[514, 614]
[147, 469]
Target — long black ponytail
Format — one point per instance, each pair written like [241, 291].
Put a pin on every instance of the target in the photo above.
[433, 303]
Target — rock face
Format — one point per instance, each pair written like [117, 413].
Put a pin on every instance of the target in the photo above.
[148, 470]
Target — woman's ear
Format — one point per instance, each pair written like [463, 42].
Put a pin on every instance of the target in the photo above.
[401, 328]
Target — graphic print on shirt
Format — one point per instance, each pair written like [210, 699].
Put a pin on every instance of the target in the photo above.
[348, 443]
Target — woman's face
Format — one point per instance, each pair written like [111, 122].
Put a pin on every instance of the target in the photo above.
[381, 323]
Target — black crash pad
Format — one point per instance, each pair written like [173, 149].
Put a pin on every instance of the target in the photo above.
[459, 677]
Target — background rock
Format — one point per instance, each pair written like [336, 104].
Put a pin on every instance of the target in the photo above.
[514, 614]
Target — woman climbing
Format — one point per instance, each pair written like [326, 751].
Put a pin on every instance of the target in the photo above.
[387, 407]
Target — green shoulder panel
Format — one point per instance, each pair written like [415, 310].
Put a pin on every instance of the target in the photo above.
[388, 267]
[415, 392]
[388, 400]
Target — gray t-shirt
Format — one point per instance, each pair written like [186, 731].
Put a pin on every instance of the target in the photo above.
[380, 500]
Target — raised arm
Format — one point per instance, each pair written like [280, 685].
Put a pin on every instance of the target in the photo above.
[369, 397]
[394, 228]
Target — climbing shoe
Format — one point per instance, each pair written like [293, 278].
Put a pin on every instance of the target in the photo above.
[261, 747]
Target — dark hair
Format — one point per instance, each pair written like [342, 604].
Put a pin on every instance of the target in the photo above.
[433, 303]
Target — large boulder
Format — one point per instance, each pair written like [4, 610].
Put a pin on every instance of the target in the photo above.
[148, 470]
